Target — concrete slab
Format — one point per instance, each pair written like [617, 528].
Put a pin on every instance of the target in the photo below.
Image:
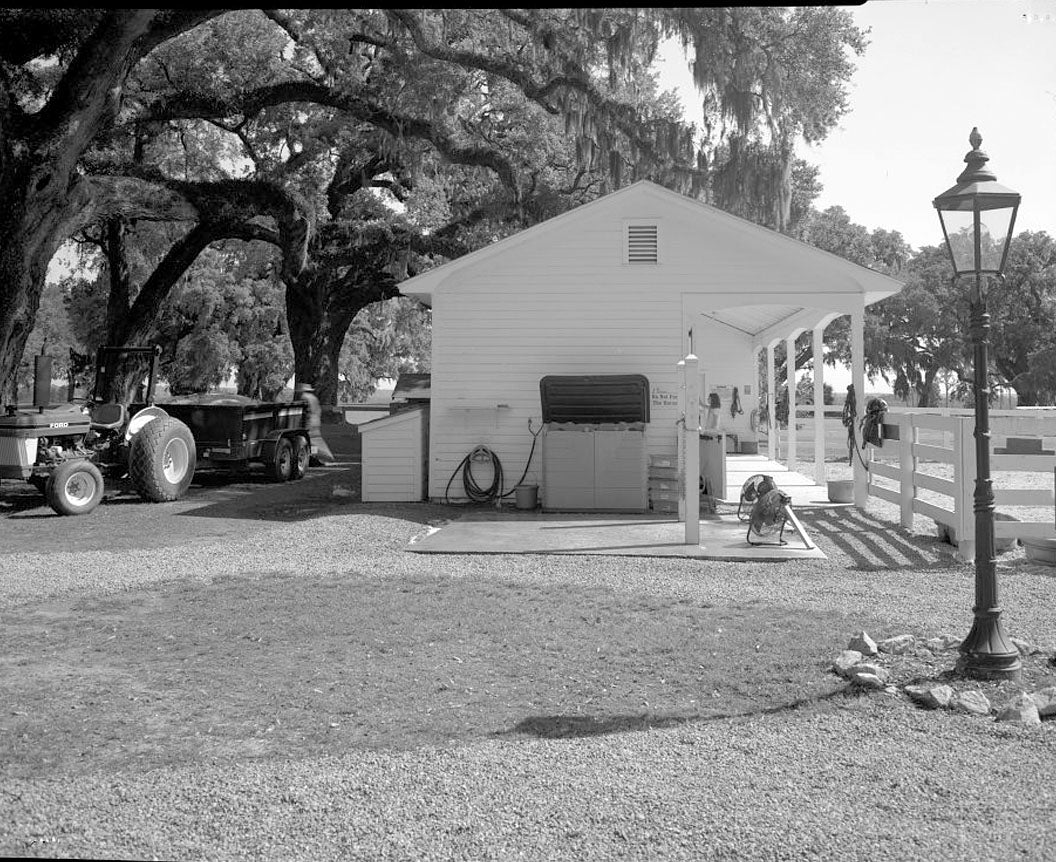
[721, 538]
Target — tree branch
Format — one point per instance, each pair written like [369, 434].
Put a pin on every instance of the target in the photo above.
[187, 106]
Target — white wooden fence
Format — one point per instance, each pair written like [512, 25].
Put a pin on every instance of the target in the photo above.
[948, 438]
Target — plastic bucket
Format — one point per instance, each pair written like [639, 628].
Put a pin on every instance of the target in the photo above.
[526, 496]
[841, 490]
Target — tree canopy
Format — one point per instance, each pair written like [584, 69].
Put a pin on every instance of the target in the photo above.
[408, 136]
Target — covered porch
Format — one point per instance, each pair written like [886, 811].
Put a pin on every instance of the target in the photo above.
[748, 325]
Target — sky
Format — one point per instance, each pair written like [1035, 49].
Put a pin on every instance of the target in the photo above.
[933, 69]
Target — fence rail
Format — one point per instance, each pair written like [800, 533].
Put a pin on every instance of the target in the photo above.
[1026, 444]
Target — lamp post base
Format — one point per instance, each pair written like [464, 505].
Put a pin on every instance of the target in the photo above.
[987, 654]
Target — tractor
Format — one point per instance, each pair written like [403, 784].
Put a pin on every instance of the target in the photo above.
[65, 451]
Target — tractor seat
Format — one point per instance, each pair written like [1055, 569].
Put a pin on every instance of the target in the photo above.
[108, 417]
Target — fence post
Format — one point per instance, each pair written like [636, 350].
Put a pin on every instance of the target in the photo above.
[907, 460]
[964, 440]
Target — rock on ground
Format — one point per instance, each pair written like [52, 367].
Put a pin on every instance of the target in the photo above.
[972, 702]
[862, 643]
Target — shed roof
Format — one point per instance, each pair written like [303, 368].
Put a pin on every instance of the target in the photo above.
[764, 312]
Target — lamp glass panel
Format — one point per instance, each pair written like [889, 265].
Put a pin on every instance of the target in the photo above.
[993, 236]
[960, 235]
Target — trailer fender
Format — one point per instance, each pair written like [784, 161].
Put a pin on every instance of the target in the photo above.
[137, 422]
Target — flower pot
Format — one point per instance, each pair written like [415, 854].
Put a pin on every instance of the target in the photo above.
[841, 490]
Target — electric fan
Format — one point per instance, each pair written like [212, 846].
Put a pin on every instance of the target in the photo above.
[751, 491]
[770, 513]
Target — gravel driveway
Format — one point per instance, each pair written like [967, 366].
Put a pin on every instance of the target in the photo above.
[854, 777]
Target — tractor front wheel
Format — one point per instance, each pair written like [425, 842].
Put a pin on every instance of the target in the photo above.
[161, 462]
[74, 488]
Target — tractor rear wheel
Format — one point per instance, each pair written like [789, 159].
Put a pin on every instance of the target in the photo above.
[300, 458]
[161, 462]
[282, 462]
[74, 488]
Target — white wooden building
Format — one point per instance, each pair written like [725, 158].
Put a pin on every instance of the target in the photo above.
[627, 284]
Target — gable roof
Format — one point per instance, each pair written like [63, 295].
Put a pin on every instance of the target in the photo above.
[873, 285]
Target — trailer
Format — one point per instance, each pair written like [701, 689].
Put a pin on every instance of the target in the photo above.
[232, 432]
[66, 451]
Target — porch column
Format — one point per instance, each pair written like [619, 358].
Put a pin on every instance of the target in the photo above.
[790, 382]
[858, 379]
[819, 404]
[692, 475]
[771, 405]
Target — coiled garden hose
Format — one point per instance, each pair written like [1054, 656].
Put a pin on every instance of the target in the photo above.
[494, 491]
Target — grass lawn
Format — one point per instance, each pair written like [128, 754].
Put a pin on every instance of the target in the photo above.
[265, 667]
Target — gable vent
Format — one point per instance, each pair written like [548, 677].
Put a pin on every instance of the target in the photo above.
[642, 243]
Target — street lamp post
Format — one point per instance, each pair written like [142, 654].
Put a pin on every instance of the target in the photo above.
[977, 216]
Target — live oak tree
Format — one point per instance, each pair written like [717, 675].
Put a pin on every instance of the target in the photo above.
[108, 121]
[1023, 318]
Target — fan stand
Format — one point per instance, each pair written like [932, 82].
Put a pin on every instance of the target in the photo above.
[798, 527]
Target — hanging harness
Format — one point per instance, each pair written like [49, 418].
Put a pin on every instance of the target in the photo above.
[850, 408]
[735, 404]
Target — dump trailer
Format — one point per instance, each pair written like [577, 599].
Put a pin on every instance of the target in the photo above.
[232, 432]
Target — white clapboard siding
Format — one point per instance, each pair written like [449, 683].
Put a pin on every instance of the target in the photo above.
[563, 298]
[394, 457]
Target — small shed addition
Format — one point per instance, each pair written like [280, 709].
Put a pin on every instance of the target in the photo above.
[394, 457]
[628, 284]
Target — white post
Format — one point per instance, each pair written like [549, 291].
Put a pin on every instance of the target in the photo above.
[861, 489]
[692, 475]
[771, 419]
[790, 382]
[681, 439]
[819, 404]
[907, 461]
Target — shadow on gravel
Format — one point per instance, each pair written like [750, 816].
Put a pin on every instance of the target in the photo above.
[873, 544]
[572, 726]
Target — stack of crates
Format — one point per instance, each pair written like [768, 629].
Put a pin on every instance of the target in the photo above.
[663, 484]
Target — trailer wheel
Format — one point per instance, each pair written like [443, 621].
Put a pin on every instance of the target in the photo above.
[74, 488]
[161, 463]
[282, 462]
[300, 457]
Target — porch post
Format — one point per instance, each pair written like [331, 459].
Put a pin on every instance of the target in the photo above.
[819, 404]
[790, 382]
[692, 476]
[771, 406]
[861, 488]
